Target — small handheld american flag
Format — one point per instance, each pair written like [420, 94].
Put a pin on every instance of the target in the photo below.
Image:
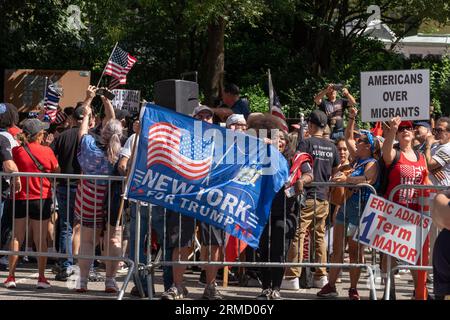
[51, 100]
[118, 66]
[275, 105]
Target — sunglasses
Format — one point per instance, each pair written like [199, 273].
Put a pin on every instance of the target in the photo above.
[438, 130]
[363, 141]
[402, 129]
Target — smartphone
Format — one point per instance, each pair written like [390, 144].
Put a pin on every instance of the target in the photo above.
[103, 92]
[338, 87]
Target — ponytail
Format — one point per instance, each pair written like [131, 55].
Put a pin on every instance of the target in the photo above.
[113, 148]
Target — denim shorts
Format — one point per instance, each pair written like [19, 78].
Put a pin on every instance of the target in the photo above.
[352, 214]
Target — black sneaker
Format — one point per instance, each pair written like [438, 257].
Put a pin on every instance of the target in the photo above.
[211, 292]
[265, 295]
[202, 279]
[63, 275]
[135, 292]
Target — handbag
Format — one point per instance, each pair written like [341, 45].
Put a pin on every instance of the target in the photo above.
[338, 195]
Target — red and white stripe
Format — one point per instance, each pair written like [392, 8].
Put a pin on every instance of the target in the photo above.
[51, 112]
[89, 202]
[117, 71]
[277, 112]
[164, 148]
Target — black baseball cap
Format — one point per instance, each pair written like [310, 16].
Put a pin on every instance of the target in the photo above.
[422, 124]
[33, 126]
[319, 118]
[78, 113]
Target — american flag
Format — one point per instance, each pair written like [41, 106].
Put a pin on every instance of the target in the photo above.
[119, 65]
[51, 101]
[183, 153]
[275, 105]
[60, 117]
[89, 201]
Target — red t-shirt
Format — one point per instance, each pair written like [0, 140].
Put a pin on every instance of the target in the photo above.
[408, 172]
[24, 163]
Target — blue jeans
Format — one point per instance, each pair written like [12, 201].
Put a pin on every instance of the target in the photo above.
[65, 222]
[157, 213]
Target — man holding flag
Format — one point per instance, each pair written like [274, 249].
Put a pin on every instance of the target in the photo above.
[191, 167]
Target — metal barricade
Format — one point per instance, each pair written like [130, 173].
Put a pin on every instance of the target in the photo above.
[104, 185]
[390, 287]
[181, 259]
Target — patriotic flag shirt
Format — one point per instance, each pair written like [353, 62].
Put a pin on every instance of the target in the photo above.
[408, 172]
[91, 194]
[92, 159]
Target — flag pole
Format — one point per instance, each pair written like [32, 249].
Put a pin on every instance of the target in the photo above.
[107, 63]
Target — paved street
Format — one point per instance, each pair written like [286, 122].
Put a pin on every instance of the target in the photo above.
[27, 277]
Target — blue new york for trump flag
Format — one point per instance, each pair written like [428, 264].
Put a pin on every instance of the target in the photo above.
[224, 178]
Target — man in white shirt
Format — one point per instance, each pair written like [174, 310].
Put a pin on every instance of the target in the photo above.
[438, 153]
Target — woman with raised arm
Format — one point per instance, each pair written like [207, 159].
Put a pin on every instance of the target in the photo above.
[98, 157]
[364, 170]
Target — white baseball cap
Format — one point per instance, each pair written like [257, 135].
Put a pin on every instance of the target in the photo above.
[234, 119]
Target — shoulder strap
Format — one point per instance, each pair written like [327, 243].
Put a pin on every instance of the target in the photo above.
[36, 162]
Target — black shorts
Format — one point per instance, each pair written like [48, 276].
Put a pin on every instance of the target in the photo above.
[34, 209]
[209, 234]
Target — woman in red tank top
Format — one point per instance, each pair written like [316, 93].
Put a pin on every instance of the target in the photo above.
[411, 168]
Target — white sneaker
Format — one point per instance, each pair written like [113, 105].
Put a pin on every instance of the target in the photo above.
[290, 284]
[321, 282]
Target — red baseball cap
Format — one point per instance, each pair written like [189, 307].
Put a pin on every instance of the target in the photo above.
[407, 124]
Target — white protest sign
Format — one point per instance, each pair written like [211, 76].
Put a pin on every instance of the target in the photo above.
[127, 99]
[387, 94]
[393, 229]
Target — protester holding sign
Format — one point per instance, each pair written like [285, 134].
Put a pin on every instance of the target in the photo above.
[405, 166]
[365, 170]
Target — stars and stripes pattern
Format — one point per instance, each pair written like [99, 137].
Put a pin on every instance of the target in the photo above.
[275, 105]
[410, 175]
[60, 117]
[119, 65]
[185, 154]
[89, 203]
[51, 101]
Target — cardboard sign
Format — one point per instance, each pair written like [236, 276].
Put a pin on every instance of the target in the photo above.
[393, 229]
[387, 94]
[25, 88]
[127, 99]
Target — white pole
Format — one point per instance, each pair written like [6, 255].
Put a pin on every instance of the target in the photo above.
[107, 64]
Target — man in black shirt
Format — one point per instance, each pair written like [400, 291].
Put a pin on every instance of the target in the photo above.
[333, 107]
[231, 97]
[65, 148]
[316, 208]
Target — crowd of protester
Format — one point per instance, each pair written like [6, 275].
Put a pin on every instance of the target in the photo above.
[327, 147]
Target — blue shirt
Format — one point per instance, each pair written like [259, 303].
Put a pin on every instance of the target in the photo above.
[241, 107]
[92, 159]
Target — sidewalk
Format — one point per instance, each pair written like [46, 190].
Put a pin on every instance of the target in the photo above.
[26, 278]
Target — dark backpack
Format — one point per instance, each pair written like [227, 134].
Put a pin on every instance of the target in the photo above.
[385, 171]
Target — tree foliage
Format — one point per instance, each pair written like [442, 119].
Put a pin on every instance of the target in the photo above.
[301, 41]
